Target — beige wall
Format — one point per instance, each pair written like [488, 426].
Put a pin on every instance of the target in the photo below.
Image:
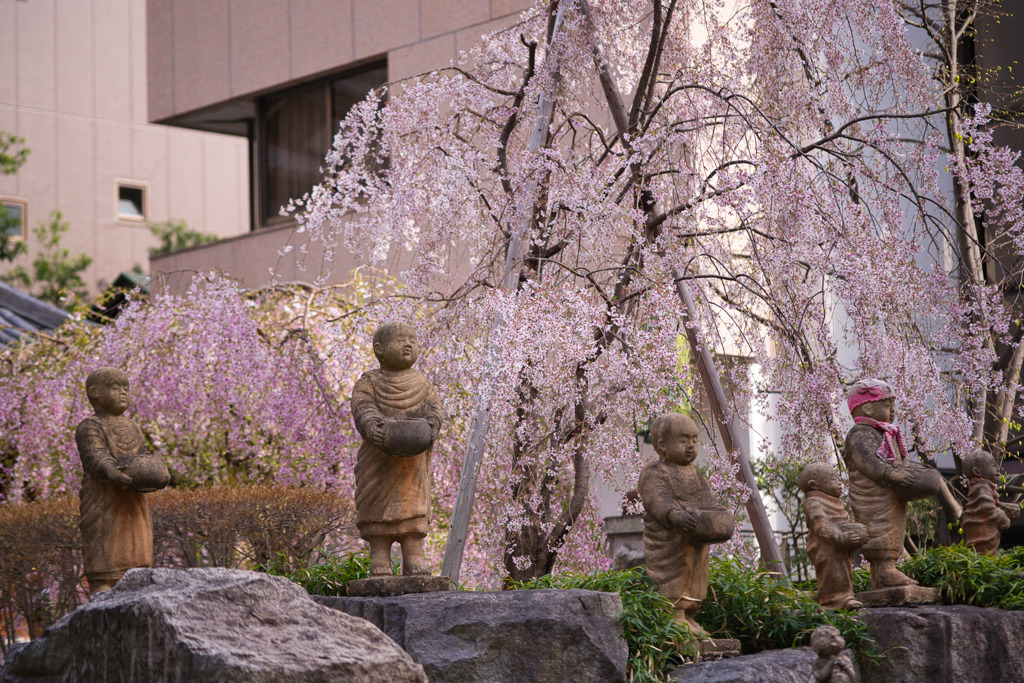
[73, 83]
[255, 259]
[205, 52]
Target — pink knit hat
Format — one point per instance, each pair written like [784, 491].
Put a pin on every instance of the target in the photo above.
[867, 390]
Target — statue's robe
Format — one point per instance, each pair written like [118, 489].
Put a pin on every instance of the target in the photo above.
[392, 493]
[117, 533]
[675, 561]
[877, 501]
[983, 521]
[833, 564]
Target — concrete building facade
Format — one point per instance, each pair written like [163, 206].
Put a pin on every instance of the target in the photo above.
[280, 74]
[74, 85]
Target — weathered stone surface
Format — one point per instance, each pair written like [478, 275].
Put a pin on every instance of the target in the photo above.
[397, 585]
[947, 644]
[899, 596]
[536, 636]
[718, 648]
[209, 625]
[774, 666]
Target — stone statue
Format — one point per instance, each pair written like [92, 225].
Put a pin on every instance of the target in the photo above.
[832, 538]
[882, 480]
[399, 416]
[681, 518]
[832, 665]
[984, 518]
[117, 534]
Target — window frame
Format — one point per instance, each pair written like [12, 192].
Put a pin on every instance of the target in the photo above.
[264, 216]
[23, 203]
[135, 185]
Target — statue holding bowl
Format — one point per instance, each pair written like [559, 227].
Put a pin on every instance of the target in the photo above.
[399, 415]
[117, 533]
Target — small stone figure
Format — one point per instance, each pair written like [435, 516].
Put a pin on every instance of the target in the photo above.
[882, 480]
[117, 534]
[832, 537]
[399, 416]
[681, 518]
[984, 518]
[832, 665]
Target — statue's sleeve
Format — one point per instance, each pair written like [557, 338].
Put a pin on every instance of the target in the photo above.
[433, 411]
[92, 448]
[364, 407]
[657, 496]
[820, 521]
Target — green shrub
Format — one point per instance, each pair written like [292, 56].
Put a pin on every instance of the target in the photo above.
[965, 577]
[330, 575]
[767, 613]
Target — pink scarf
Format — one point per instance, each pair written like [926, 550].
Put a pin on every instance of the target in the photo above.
[886, 450]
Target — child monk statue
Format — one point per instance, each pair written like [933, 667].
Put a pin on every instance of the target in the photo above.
[117, 533]
[985, 518]
[882, 480]
[681, 518]
[832, 538]
[399, 416]
[832, 665]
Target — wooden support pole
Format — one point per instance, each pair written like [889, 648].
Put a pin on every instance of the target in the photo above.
[518, 242]
[731, 438]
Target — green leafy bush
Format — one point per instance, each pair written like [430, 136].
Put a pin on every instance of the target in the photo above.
[330, 575]
[965, 577]
[767, 613]
[657, 644]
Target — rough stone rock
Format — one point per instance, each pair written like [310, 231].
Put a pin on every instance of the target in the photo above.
[946, 644]
[206, 625]
[534, 636]
[773, 666]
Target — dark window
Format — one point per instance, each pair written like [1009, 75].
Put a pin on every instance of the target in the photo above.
[298, 128]
[131, 203]
[12, 218]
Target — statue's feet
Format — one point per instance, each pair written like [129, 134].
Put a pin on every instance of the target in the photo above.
[415, 569]
[853, 603]
[687, 620]
[381, 567]
[888, 576]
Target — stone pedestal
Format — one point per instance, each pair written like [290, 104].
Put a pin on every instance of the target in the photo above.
[899, 596]
[625, 544]
[398, 585]
[719, 648]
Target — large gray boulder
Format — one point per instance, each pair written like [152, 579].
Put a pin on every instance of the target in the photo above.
[207, 625]
[940, 644]
[535, 636]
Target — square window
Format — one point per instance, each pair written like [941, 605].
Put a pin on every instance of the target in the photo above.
[131, 202]
[12, 219]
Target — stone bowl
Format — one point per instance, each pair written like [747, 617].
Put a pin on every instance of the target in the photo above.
[715, 524]
[405, 438]
[148, 472]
